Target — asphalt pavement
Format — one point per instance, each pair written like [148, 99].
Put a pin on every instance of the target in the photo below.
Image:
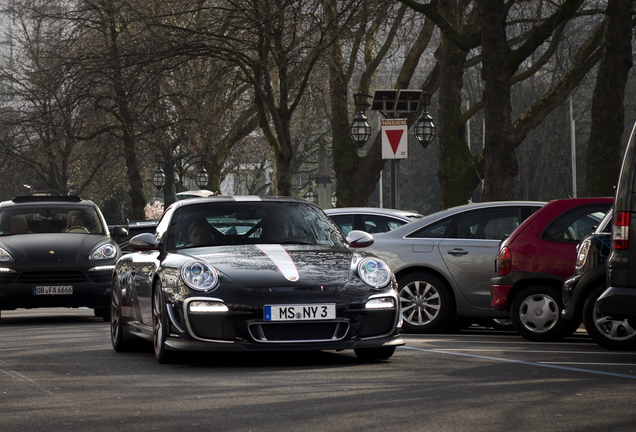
[58, 372]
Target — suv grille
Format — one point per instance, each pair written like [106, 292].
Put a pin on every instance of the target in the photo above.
[52, 277]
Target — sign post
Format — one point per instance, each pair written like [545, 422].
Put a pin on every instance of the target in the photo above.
[395, 147]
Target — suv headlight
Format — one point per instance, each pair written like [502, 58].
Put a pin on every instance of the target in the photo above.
[5, 256]
[107, 251]
[374, 272]
[199, 276]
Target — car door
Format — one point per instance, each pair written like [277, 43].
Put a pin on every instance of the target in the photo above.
[471, 248]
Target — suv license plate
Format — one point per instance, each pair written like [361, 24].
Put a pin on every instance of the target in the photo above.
[300, 312]
[52, 290]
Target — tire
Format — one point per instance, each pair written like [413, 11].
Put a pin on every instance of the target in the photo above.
[380, 353]
[117, 338]
[426, 303]
[536, 315]
[103, 313]
[605, 331]
[160, 327]
[501, 324]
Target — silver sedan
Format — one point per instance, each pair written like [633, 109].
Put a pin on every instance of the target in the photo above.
[444, 261]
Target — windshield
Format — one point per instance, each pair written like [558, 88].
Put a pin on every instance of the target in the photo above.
[242, 223]
[50, 219]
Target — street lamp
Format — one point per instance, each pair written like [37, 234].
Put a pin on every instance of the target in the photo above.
[392, 104]
[360, 129]
[159, 178]
[424, 129]
[181, 164]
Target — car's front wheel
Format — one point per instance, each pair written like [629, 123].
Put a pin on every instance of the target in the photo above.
[120, 344]
[160, 327]
[536, 314]
[379, 353]
[614, 334]
[426, 302]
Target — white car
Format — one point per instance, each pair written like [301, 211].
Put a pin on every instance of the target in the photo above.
[371, 219]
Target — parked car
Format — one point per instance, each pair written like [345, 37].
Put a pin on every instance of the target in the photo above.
[619, 299]
[581, 291]
[370, 219]
[55, 252]
[290, 282]
[444, 262]
[535, 260]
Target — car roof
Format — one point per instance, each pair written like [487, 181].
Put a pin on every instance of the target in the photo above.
[407, 214]
[239, 198]
[38, 200]
[415, 225]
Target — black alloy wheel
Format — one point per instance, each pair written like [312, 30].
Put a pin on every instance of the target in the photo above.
[160, 327]
[426, 302]
[610, 333]
[120, 344]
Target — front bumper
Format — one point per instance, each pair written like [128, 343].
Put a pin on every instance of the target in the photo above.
[243, 327]
[570, 296]
[92, 290]
[244, 345]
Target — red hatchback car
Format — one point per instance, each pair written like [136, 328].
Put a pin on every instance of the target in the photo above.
[535, 260]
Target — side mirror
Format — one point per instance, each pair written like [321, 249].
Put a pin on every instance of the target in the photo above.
[118, 232]
[359, 239]
[144, 242]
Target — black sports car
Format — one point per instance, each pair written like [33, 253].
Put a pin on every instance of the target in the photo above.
[55, 252]
[251, 273]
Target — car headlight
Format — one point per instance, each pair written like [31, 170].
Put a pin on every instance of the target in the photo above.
[5, 256]
[374, 272]
[199, 276]
[107, 251]
[581, 253]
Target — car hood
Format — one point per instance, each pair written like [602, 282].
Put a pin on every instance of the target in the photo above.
[278, 265]
[49, 248]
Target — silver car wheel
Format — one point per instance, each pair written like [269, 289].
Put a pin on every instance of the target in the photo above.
[539, 313]
[420, 303]
[613, 329]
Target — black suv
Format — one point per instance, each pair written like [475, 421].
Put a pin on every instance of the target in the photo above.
[581, 291]
[56, 252]
[619, 300]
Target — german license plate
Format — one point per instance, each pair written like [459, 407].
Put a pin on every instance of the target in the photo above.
[300, 312]
[52, 290]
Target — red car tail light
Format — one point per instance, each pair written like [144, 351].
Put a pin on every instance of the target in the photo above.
[504, 262]
[620, 233]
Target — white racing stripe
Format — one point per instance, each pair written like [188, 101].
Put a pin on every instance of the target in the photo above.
[247, 198]
[281, 259]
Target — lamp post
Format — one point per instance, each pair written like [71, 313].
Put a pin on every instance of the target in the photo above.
[181, 165]
[392, 103]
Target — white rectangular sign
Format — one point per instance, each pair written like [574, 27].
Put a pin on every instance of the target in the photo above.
[395, 139]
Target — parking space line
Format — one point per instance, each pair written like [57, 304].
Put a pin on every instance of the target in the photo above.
[521, 362]
[516, 350]
[590, 364]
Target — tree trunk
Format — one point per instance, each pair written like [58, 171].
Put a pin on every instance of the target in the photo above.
[356, 176]
[608, 108]
[457, 174]
[500, 165]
